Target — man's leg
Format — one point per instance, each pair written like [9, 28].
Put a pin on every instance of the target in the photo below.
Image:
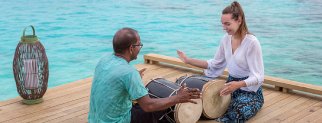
[138, 115]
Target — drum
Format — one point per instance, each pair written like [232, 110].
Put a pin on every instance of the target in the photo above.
[213, 104]
[180, 113]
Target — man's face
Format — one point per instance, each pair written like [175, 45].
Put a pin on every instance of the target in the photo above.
[136, 48]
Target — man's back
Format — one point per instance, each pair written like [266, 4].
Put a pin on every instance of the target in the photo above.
[115, 85]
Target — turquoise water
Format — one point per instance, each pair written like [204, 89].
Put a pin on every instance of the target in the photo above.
[77, 34]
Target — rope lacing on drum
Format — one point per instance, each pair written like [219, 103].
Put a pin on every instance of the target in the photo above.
[167, 116]
[175, 91]
[171, 110]
[202, 78]
[183, 80]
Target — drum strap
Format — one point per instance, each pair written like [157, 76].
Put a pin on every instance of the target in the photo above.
[169, 119]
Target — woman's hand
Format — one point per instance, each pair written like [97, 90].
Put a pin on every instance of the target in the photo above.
[186, 94]
[231, 87]
[182, 56]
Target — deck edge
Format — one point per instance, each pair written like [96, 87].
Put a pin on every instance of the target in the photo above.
[280, 84]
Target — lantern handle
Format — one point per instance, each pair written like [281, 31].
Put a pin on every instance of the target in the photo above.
[33, 31]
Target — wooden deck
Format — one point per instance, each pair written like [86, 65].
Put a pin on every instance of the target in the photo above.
[70, 102]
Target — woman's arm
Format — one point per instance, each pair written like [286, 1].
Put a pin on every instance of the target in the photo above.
[255, 64]
[194, 62]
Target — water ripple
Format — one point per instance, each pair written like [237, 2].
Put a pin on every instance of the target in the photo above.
[77, 34]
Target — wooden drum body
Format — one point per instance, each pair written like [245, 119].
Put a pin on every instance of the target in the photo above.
[180, 113]
[213, 104]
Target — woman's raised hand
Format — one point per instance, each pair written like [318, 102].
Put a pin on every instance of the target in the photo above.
[141, 72]
[182, 56]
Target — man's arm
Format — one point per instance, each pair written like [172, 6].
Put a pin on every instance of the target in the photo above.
[156, 104]
[150, 104]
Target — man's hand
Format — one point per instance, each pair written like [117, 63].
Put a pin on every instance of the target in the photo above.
[141, 72]
[182, 56]
[186, 94]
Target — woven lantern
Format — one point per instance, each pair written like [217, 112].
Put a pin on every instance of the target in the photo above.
[30, 68]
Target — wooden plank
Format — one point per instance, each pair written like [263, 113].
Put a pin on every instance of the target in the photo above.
[318, 120]
[79, 119]
[57, 89]
[277, 100]
[28, 109]
[313, 108]
[273, 98]
[174, 77]
[52, 112]
[167, 59]
[282, 109]
[276, 106]
[313, 116]
[49, 92]
[157, 74]
[67, 113]
[48, 106]
[148, 67]
[10, 101]
[266, 92]
[19, 105]
[293, 85]
[75, 116]
[293, 111]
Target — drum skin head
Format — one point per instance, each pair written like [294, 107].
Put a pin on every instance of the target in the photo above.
[188, 112]
[214, 105]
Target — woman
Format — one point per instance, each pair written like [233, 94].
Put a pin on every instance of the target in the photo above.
[239, 52]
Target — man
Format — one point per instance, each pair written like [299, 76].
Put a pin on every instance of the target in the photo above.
[116, 83]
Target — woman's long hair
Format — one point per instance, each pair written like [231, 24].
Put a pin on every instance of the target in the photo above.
[237, 12]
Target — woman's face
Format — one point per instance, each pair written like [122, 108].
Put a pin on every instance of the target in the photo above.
[230, 25]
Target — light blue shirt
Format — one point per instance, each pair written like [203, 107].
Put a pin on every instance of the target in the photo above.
[115, 85]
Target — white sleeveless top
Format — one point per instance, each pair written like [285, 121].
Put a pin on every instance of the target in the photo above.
[246, 61]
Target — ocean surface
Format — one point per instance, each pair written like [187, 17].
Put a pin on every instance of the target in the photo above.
[76, 34]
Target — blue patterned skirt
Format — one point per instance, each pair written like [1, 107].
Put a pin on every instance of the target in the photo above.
[243, 105]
